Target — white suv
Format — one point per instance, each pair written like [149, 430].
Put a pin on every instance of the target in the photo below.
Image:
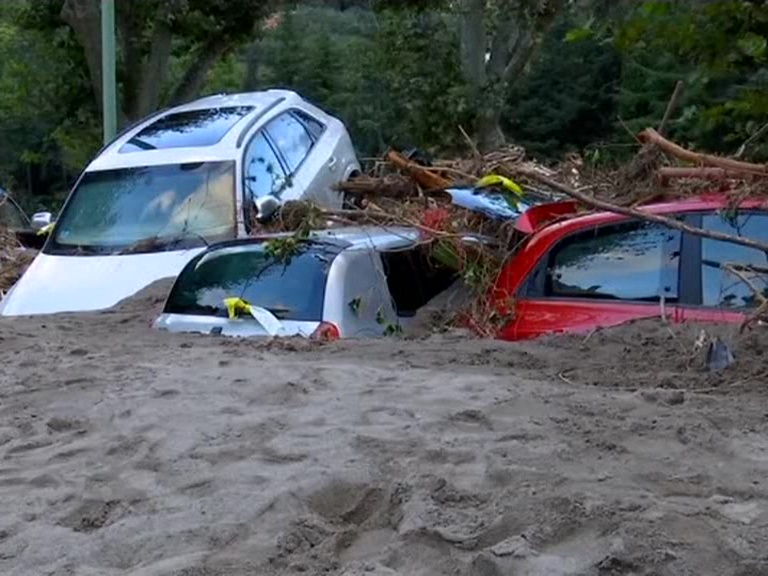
[175, 182]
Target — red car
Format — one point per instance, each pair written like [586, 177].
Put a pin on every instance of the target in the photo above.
[603, 269]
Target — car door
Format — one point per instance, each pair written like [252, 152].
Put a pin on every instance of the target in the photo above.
[601, 277]
[264, 174]
[722, 293]
[311, 164]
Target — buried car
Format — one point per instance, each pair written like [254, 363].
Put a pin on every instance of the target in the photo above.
[339, 283]
[603, 269]
[178, 181]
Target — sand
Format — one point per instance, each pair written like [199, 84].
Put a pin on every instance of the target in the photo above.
[129, 452]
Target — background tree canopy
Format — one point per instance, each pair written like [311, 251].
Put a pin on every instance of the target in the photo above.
[553, 75]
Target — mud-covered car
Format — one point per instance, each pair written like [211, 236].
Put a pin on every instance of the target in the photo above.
[602, 269]
[176, 182]
[342, 283]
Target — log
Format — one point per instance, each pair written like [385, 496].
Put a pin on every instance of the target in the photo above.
[425, 177]
[705, 173]
[640, 214]
[650, 136]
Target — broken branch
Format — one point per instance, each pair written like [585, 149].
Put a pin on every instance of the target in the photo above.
[643, 214]
[651, 136]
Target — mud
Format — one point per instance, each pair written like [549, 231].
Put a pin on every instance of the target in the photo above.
[129, 452]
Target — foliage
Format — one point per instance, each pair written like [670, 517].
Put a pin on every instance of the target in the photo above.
[580, 77]
[719, 50]
[394, 74]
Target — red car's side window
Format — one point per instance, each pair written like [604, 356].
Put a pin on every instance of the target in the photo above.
[630, 262]
[719, 287]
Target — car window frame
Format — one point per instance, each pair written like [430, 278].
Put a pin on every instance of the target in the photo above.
[695, 257]
[534, 285]
[292, 113]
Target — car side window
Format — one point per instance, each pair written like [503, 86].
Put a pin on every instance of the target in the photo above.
[414, 278]
[313, 125]
[291, 138]
[634, 261]
[723, 288]
[263, 173]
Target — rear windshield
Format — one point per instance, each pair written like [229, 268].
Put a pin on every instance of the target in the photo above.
[291, 288]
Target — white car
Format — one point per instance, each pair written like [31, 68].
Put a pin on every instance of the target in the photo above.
[176, 182]
[344, 283]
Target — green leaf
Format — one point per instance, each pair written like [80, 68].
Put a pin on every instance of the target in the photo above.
[752, 45]
[579, 34]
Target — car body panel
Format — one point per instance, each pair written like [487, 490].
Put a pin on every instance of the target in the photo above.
[234, 327]
[532, 317]
[56, 283]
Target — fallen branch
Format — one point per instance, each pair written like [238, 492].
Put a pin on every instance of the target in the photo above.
[423, 176]
[704, 173]
[651, 136]
[643, 214]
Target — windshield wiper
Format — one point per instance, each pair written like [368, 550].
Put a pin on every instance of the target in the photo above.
[161, 243]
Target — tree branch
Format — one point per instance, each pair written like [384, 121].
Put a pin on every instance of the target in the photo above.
[650, 136]
[642, 214]
[192, 81]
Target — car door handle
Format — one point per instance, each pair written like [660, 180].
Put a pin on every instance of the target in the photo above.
[332, 163]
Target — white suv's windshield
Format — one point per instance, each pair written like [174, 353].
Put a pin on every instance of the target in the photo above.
[148, 208]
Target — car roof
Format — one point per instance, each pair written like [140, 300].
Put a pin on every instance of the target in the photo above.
[348, 238]
[262, 103]
[703, 202]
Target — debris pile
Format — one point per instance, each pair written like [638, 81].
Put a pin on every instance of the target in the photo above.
[14, 259]
[413, 190]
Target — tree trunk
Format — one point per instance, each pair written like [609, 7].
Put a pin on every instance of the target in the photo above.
[251, 79]
[84, 17]
[155, 70]
[192, 82]
[474, 44]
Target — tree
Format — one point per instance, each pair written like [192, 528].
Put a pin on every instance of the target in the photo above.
[498, 39]
[149, 32]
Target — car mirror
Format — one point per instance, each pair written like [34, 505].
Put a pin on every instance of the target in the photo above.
[41, 219]
[266, 207]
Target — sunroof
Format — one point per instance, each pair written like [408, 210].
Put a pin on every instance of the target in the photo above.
[192, 129]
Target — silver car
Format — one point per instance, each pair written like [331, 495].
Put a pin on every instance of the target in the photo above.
[344, 283]
[177, 181]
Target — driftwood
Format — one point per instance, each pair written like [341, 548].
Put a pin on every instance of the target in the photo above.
[651, 136]
[425, 177]
[703, 173]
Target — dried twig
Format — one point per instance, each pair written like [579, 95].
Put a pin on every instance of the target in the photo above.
[743, 148]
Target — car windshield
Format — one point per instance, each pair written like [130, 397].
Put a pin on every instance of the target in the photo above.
[292, 288]
[10, 215]
[154, 207]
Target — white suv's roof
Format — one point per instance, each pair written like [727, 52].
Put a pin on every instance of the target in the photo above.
[264, 105]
